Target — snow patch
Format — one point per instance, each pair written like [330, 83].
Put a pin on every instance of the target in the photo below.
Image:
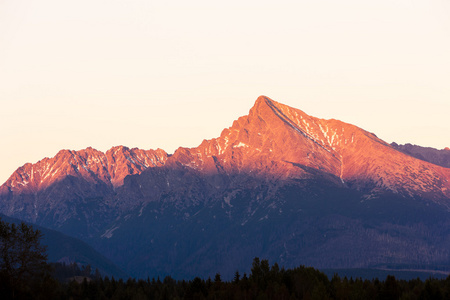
[227, 200]
[219, 148]
[241, 144]
[141, 210]
[109, 233]
[131, 160]
[264, 218]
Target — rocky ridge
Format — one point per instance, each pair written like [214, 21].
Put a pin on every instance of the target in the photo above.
[51, 191]
[434, 156]
[90, 164]
[271, 142]
[278, 183]
[275, 139]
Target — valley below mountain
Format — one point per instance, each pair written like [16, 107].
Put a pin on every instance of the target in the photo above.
[277, 184]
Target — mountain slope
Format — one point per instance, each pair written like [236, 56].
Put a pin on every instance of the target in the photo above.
[277, 142]
[278, 183]
[316, 223]
[65, 192]
[66, 249]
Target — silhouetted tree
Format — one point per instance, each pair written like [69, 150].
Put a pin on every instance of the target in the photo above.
[237, 277]
[217, 278]
[23, 260]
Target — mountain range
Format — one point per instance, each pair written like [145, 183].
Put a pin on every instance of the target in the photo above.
[278, 184]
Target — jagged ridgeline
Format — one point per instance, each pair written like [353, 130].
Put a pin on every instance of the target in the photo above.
[278, 184]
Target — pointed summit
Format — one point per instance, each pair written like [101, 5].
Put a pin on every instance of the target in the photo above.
[273, 111]
[271, 132]
[261, 103]
[278, 141]
[264, 106]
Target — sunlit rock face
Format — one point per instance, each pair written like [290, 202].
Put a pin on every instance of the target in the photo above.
[275, 139]
[90, 164]
[278, 183]
[70, 186]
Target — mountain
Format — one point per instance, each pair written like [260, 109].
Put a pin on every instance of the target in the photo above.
[108, 168]
[278, 184]
[65, 192]
[434, 156]
[274, 140]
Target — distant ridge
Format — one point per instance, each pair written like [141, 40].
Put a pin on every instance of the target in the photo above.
[434, 156]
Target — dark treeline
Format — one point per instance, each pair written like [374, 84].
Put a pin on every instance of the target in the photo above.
[263, 282]
[25, 274]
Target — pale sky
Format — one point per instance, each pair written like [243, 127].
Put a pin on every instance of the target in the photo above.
[164, 74]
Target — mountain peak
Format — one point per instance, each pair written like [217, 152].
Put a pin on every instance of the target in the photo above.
[115, 149]
[263, 104]
[262, 100]
[267, 108]
[273, 141]
[274, 132]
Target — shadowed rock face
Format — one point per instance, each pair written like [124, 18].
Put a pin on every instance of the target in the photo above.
[278, 183]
